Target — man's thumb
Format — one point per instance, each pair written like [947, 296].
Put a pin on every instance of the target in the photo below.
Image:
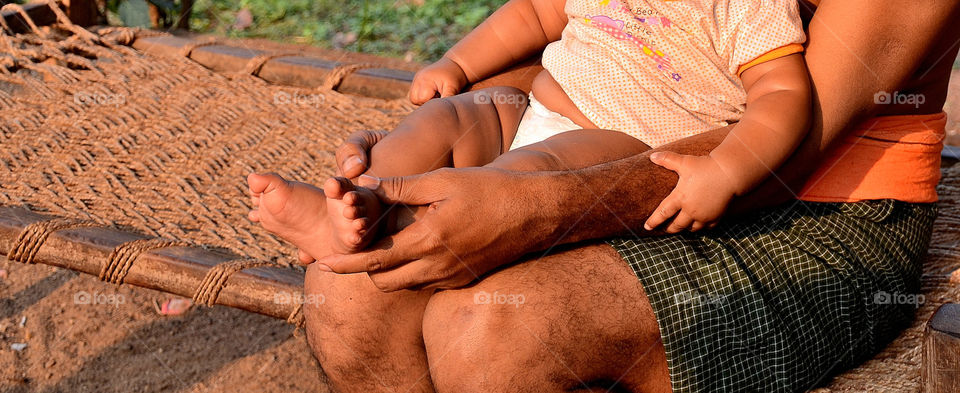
[405, 190]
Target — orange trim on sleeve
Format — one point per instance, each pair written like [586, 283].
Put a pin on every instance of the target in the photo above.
[782, 51]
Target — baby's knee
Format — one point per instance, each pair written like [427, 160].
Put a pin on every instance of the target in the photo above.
[527, 159]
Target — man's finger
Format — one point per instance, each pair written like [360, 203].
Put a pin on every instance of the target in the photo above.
[387, 253]
[407, 190]
[410, 275]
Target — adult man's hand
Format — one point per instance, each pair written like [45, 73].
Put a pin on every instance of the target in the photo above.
[472, 225]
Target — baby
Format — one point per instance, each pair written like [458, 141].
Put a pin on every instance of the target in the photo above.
[655, 71]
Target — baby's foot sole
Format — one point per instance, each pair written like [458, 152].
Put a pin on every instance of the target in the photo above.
[296, 212]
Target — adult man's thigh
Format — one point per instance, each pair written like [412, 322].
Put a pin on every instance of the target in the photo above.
[575, 317]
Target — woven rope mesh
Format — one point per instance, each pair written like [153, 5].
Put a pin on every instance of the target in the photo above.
[160, 145]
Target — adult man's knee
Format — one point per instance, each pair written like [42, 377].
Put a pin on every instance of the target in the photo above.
[475, 341]
[336, 330]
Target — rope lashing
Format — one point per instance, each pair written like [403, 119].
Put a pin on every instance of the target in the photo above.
[256, 64]
[187, 49]
[216, 278]
[26, 17]
[65, 21]
[336, 76]
[123, 256]
[296, 316]
[34, 235]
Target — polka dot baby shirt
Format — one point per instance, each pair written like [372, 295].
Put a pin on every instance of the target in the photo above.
[662, 70]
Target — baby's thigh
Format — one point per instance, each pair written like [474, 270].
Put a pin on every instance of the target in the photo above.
[572, 150]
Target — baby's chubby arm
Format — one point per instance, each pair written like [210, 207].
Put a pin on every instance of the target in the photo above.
[513, 33]
[775, 121]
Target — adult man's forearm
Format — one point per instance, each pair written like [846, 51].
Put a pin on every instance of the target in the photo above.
[609, 199]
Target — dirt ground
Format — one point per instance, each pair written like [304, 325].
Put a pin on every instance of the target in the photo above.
[119, 343]
[115, 341]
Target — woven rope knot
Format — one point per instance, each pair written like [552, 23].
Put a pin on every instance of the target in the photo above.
[123, 256]
[216, 278]
[34, 235]
[120, 35]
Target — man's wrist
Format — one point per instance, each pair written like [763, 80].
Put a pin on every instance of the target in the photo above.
[544, 207]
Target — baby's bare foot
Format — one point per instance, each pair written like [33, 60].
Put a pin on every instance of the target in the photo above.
[296, 212]
[354, 213]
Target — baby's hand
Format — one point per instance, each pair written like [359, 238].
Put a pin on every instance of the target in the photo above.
[444, 77]
[700, 198]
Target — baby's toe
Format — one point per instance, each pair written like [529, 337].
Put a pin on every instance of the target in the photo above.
[254, 215]
[331, 188]
[351, 198]
[337, 187]
[354, 211]
[259, 183]
[351, 239]
[360, 224]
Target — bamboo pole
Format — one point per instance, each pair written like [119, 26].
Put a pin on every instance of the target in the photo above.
[275, 292]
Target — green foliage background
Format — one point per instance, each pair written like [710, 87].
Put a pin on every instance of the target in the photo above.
[417, 29]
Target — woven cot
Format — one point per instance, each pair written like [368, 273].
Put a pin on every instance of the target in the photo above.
[91, 129]
[160, 145]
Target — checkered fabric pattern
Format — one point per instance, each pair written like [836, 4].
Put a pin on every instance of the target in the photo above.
[780, 300]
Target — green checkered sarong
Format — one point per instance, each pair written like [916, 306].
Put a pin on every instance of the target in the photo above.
[780, 300]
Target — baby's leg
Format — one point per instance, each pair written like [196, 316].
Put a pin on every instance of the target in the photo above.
[571, 150]
[470, 129]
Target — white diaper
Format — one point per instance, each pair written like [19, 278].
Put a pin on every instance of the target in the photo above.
[539, 123]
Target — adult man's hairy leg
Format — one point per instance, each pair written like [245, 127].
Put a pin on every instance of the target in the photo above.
[574, 320]
[367, 340]
[364, 339]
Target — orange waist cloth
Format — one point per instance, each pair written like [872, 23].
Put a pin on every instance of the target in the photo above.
[887, 157]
